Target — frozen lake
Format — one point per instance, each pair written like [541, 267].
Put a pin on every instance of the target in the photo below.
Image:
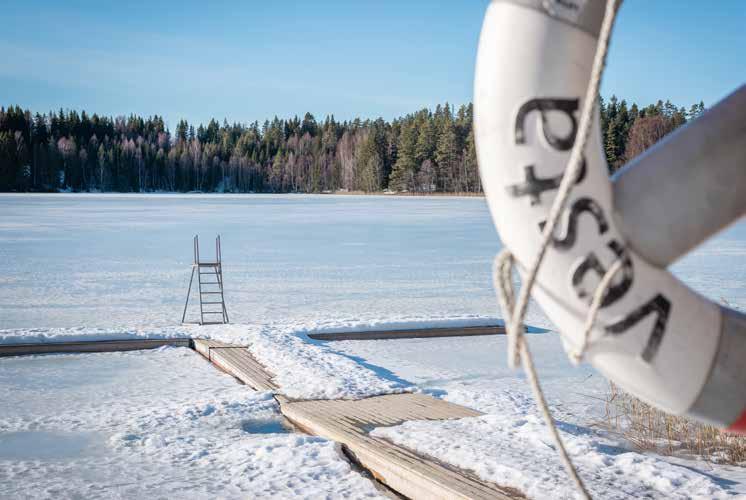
[119, 265]
[74, 260]
[123, 260]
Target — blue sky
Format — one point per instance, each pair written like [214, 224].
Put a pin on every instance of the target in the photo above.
[252, 60]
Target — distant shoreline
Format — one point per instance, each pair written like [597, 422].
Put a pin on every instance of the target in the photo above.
[325, 193]
[405, 193]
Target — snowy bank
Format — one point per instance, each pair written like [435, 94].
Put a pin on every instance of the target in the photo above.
[119, 425]
[513, 447]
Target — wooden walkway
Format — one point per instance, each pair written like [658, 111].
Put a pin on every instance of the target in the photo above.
[419, 333]
[349, 422]
[89, 346]
[237, 361]
[409, 474]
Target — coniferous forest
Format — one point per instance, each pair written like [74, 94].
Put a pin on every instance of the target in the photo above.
[427, 151]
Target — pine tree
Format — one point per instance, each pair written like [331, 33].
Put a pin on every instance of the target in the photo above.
[405, 168]
[471, 169]
[447, 156]
[425, 147]
[82, 152]
[370, 164]
[610, 143]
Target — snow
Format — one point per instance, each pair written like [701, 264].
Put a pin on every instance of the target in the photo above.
[303, 368]
[119, 425]
[106, 260]
[49, 335]
[513, 448]
[307, 369]
[77, 267]
[316, 371]
[471, 371]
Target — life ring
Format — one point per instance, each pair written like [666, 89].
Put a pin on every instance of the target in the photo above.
[654, 336]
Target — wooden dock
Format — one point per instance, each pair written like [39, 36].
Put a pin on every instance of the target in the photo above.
[237, 361]
[349, 422]
[89, 346]
[409, 474]
[419, 333]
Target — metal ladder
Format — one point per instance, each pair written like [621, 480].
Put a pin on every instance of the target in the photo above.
[210, 284]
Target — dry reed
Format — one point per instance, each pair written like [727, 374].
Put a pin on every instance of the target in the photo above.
[648, 428]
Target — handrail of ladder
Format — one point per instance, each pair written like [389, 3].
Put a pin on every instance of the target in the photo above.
[196, 267]
[218, 250]
[196, 248]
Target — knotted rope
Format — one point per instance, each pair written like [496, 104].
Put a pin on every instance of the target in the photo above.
[515, 311]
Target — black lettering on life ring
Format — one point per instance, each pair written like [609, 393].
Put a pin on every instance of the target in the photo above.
[533, 186]
[661, 307]
[591, 263]
[580, 206]
[543, 105]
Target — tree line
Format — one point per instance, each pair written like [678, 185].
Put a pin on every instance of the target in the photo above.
[426, 151]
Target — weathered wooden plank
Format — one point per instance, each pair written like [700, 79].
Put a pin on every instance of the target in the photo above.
[468, 331]
[237, 361]
[89, 346]
[246, 369]
[348, 422]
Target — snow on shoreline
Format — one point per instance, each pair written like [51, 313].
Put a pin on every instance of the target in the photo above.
[512, 447]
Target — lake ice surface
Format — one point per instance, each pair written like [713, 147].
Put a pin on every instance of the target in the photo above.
[124, 260]
[88, 260]
[118, 265]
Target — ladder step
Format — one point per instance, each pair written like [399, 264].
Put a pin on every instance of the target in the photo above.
[207, 268]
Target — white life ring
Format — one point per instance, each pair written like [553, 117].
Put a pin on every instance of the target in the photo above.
[654, 336]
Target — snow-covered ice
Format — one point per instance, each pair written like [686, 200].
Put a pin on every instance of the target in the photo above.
[74, 260]
[154, 424]
[78, 267]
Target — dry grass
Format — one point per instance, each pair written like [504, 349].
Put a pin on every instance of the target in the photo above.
[648, 428]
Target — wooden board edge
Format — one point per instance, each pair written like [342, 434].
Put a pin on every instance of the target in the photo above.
[468, 331]
[213, 355]
[89, 346]
[409, 483]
